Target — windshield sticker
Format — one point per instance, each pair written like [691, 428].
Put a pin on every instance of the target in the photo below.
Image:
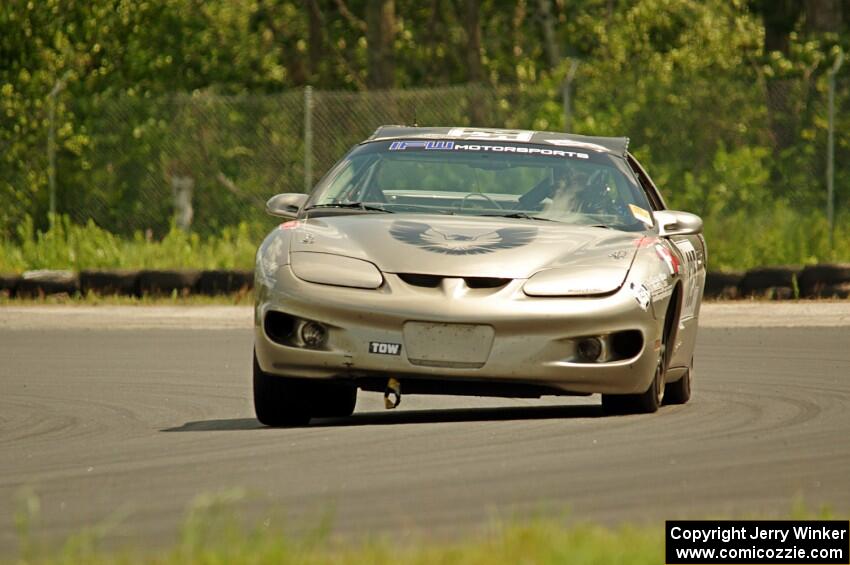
[573, 143]
[491, 135]
[431, 239]
[521, 149]
[454, 146]
[641, 214]
[421, 144]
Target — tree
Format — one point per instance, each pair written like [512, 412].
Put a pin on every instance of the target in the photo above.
[316, 38]
[824, 16]
[473, 41]
[380, 36]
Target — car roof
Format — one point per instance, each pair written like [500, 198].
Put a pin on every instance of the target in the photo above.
[615, 145]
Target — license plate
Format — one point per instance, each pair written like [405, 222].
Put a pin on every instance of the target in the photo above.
[449, 345]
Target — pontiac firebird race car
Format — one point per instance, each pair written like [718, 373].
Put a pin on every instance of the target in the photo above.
[480, 262]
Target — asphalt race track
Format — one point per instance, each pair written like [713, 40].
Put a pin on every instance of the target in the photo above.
[126, 428]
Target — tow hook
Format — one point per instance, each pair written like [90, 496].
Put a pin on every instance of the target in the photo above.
[392, 394]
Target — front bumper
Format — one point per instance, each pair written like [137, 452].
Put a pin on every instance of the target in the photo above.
[533, 339]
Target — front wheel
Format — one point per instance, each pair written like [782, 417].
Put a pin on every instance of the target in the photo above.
[334, 399]
[280, 401]
[679, 392]
[646, 402]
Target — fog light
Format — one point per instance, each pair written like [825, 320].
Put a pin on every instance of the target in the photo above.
[313, 334]
[589, 349]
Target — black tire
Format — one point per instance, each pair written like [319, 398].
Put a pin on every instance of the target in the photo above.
[646, 402]
[280, 401]
[679, 392]
[334, 399]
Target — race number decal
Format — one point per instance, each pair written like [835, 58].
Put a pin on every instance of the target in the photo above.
[691, 275]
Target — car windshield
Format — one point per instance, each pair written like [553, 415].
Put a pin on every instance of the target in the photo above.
[534, 182]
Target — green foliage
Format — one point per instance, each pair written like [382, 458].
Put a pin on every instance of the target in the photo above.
[738, 238]
[78, 247]
[780, 235]
[737, 180]
[146, 92]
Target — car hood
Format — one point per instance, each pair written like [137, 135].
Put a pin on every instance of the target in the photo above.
[468, 246]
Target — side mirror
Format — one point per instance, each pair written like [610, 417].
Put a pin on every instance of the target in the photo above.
[285, 205]
[672, 222]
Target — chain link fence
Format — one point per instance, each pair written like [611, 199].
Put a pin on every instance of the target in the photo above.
[206, 161]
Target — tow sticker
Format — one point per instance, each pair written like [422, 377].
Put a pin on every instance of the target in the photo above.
[383, 348]
[641, 214]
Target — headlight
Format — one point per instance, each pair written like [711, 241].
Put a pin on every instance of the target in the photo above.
[575, 281]
[337, 270]
[271, 255]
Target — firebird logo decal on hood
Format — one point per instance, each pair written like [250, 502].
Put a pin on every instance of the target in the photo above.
[432, 239]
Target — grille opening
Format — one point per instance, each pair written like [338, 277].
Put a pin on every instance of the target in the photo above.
[428, 281]
[626, 344]
[279, 327]
[485, 282]
[433, 281]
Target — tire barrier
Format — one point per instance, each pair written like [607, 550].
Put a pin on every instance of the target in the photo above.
[779, 283]
[721, 284]
[825, 281]
[123, 282]
[770, 282]
[162, 283]
[34, 284]
[213, 283]
[8, 284]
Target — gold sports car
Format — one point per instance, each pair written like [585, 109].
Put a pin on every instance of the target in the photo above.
[437, 260]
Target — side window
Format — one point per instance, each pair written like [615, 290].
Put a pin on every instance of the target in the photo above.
[652, 194]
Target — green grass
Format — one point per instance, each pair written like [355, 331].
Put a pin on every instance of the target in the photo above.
[538, 541]
[212, 534]
[779, 235]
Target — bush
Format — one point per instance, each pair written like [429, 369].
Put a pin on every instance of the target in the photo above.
[777, 234]
[77, 247]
